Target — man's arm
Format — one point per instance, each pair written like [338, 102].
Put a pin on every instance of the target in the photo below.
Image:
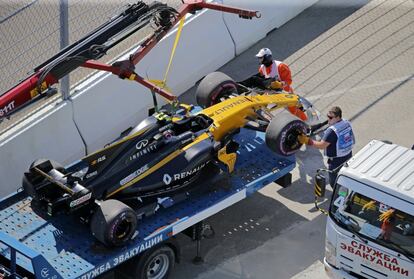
[320, 144]
[303, 139]
[328, 138]
[285, 74]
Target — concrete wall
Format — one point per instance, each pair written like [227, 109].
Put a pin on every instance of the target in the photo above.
[274, 13]
[52, 134]
[104, 105]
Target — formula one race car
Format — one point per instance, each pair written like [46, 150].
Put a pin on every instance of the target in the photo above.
[217, 86]
[164, 153]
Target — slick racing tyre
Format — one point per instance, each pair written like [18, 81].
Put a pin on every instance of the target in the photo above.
[113, 223]
[214, 86]
[29, 182]
[156, 263]
[282, 133]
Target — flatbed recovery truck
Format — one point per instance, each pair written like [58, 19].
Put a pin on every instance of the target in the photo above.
[35, 245]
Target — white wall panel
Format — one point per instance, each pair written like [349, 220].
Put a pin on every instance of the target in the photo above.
[107, 107]
[50, 134]
[274, 13]
[205, 45]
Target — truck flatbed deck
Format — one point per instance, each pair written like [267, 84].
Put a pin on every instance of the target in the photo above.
[54, 247]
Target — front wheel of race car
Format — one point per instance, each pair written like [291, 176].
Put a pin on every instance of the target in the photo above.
[282, 134]
[213, 87]
[113, 223]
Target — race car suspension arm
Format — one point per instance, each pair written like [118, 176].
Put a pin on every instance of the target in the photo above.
[95, 45]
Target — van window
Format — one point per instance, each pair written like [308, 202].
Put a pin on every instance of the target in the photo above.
[373, 220]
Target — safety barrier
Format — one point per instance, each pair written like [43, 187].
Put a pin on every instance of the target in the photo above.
[104, 105]
[50, 134]
[274, 13]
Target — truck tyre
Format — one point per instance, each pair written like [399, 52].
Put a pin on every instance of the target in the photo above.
[213, 87]
[113, 223]
[282, 134]
[29, 184]
[156, 263]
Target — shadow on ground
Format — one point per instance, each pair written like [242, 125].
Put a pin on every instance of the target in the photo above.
[248, 235]
[287, 39]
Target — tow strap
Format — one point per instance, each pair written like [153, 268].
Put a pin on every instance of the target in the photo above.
[163, 83]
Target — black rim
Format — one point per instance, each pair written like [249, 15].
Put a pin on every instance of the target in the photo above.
[123, 229]
[291, 141]
[223, 90]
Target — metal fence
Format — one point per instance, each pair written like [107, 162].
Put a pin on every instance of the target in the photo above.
[32, 31]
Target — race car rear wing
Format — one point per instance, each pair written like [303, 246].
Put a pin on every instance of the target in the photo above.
[93, 46]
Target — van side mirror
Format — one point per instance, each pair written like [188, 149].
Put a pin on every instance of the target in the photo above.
[320, 184]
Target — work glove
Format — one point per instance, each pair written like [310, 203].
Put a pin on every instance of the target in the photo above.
[369, 206]
[303, 139]
[384, 217]
[275, 85]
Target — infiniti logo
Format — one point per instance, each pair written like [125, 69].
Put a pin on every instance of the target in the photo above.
[141, 144]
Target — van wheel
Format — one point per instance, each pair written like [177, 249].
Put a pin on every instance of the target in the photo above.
[113, 223]
[282, 134]
[156, 263]
[213, 87]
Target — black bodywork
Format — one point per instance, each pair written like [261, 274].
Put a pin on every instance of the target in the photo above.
[161, 146]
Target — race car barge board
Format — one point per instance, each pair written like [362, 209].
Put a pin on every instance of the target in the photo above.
[60, 247]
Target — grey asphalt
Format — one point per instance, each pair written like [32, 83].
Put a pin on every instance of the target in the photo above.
[355, 54]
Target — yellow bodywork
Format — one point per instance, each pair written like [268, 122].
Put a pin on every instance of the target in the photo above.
[233, 113]
[229, 159]
[227, 116]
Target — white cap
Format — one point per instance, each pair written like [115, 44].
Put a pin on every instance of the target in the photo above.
[263, 52]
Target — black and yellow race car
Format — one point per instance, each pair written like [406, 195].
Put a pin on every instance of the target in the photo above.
[163, 154]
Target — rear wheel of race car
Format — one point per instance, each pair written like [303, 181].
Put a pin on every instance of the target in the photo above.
[113, 223]
[156, 263]
[29, 182]
[213, 87]
[282, 133]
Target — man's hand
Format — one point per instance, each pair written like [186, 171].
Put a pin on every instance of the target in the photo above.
[303, 139]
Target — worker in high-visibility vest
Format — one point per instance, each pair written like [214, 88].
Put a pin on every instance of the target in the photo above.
[274, 69]
[281, 75]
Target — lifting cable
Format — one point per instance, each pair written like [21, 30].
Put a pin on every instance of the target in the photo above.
[163, 83]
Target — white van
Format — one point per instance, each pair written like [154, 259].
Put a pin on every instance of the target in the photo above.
[370, 226]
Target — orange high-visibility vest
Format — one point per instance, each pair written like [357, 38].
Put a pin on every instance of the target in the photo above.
[279, 71]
